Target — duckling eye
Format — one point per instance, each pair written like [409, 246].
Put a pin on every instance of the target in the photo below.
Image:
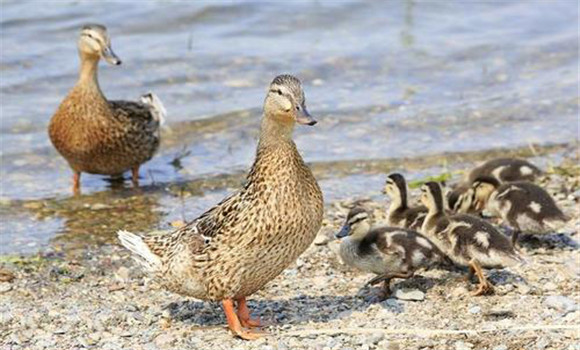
[297, 107]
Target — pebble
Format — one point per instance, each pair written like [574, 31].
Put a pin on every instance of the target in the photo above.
[560, 303]
[164, 340]
[474, 310]
[409, 294]
[5, 287]
[460, 345]
[501, 347]
[550, 286]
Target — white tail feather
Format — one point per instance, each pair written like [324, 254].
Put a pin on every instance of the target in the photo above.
[157, 107]
[142, 254]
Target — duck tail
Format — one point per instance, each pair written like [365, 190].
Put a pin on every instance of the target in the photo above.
[156, 106]
[142, 253]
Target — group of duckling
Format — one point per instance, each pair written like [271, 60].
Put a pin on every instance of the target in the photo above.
[237, 246]
[452, 227]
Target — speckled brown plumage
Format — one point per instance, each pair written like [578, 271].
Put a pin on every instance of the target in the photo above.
[236, 247]
[93, 134]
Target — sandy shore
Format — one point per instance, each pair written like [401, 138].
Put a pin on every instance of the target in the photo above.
[99, 299]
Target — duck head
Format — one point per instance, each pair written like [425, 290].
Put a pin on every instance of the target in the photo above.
[285, 102]
[94, 42]
[357, 224]
[483, 187]
[432, 197]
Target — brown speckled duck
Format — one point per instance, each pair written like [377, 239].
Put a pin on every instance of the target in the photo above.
[524, 206]
[236, 247]
[98, 136]
[467, 240]
[400, 214]
[388, 252]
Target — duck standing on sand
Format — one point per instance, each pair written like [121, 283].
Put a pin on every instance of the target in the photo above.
[98, 136]
[524, 206]
[388, 252]
[467, 240]
[236, 247]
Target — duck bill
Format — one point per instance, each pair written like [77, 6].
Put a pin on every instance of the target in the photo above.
[110, 56]
[344, 231]
[304, 118]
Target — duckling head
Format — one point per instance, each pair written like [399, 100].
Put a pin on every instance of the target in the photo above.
[396, 189]
[94, 41]
[285, 101]
[483, 187]
[460, 200]
[357, 224]
[432, 197]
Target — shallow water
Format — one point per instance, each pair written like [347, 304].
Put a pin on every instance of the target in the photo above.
[386, 81]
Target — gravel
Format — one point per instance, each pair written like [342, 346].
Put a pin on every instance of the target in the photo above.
[99, 299]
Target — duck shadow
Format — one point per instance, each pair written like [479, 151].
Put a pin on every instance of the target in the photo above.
[297, 310]
[547, 241]
[372, 294]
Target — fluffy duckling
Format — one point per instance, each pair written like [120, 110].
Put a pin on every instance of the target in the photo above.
[388, 252]
[506, 170]
[98, 136]
[467, 240]
[460, 199]
[400, 214]
[245, 241]
[524, 206]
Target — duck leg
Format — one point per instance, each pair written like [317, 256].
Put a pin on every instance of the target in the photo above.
[234, 322]
[386, 291]
[135, 176]
[244, 314]
[515, 236]
[484, 286]
[76, 183]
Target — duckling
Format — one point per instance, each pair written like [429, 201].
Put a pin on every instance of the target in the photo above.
[388, 252]
[98, 136]
[467, 240]
[506, 170]
[522, 205]
[245, 241]
[400, 214]
[460, 199]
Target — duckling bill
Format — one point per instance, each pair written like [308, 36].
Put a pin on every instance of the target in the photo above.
[467, 240]
[388, 252]
[245, 241]
[99, 136]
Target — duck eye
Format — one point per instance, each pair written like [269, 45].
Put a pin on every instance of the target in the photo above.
[279, 92]
[297, 108]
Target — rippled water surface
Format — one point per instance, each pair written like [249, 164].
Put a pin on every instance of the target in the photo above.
[400, 80]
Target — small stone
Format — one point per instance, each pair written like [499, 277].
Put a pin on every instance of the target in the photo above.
[323, 237]
[475, 310]
[501, 347]
[550, 286]
[5, 287]
[460, 345]
[409, 294]
[122, 274]
[524, 288]
[164, 340]
[374, 338]
[560, 303]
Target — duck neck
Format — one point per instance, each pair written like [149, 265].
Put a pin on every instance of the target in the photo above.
[399, 201]
[275, 132]
[349, 248]
[88, 77]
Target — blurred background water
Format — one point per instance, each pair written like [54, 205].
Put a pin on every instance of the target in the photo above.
[396, 80]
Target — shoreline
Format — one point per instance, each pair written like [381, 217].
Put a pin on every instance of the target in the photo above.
[98, 298]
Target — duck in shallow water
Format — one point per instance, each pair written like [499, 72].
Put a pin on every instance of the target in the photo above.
[99, 136]
[465, 239]
[388, 252]
[236, 247]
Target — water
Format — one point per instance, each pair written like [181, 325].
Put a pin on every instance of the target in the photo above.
[386, 81]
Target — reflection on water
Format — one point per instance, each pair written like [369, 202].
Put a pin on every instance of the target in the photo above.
[386, 81]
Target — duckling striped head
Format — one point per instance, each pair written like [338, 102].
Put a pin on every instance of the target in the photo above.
[396, 187]
[356, 222]
[432, 196]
